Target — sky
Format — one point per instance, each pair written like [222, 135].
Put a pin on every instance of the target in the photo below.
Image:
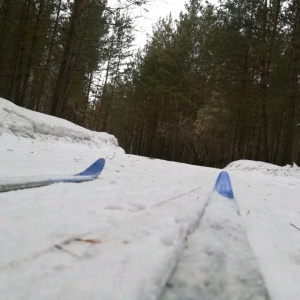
[155, 10]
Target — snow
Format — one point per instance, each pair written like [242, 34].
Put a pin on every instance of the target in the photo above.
[122, 235]
[220, 271]
[258, 167]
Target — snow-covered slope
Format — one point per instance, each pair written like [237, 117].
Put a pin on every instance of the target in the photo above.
[258, 168]
[120, 236]
[21, 122]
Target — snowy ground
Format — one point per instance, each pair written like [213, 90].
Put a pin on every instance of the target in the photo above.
[120, 236]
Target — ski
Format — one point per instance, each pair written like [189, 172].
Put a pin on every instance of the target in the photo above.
[223, 185]
[218, 262]
[88, 174]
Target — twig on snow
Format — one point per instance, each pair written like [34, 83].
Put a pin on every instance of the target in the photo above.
[112, 157]
[59, 247]
[91, 241]
[295, 226]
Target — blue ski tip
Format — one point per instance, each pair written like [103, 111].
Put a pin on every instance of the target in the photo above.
[94, 169]
[223, 185]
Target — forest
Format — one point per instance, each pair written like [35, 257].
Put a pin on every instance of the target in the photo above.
[219, 83]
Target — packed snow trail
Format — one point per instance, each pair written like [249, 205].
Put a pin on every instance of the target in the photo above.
[136, 242]
[225, 268]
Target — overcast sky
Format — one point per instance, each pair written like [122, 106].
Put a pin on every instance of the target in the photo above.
[157, 9]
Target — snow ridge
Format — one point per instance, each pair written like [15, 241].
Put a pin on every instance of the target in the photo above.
[29, 124]
[257, 167]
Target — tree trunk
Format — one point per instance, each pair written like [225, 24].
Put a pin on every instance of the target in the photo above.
[31, 54]
[18, 73]
[68, 63]
[288, 137]
[87, 93]
[4, 9]
[3, 19]
[261, 151]
[39, 104]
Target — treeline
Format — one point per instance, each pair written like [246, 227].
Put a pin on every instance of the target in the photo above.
[57, 56]
[221, 83]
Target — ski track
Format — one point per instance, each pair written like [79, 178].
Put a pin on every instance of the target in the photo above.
[70, 253]
[220, 272]
[71, 239]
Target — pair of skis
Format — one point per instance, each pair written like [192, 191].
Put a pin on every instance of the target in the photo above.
[223, 184]
[91, 173]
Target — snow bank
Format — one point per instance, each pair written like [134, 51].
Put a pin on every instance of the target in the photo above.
[258, 167]
[22, 122]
